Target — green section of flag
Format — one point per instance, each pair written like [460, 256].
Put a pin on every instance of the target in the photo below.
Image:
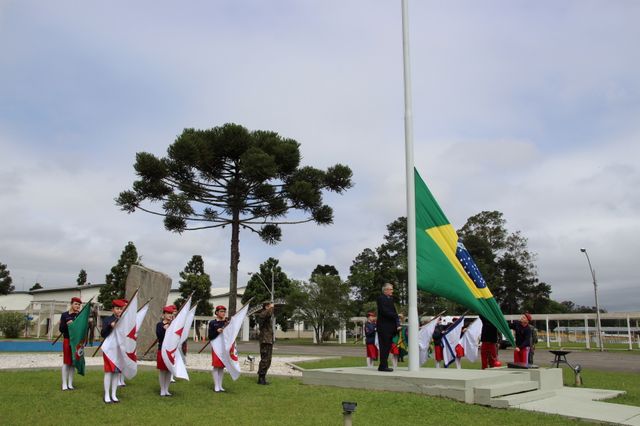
[77, 338]
[436, 272]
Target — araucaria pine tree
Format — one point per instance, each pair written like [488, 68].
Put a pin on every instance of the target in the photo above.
[230, 176]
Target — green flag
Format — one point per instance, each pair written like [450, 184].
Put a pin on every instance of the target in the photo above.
[445, 268]
[77, 338]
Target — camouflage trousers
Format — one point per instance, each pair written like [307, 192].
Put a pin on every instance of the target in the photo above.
[266, 350]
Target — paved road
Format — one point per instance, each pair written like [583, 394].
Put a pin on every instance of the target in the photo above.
[608, 360]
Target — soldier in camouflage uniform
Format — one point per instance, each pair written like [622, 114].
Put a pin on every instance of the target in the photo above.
[266, 340]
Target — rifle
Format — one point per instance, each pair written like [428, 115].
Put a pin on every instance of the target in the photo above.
[57, 338]
[437, 316]
[205, 345]
[149, 348]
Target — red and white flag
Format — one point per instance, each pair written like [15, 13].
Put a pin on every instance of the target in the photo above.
[424, 338]
[120, 345]
[224, 345]
[140, 317]
[170, 351]
[110, 347]
[187, 326]
[471, 340]
[127, 331]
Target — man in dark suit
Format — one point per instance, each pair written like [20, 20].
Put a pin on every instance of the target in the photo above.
[388, 325]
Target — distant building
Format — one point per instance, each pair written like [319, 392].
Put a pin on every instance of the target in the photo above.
[44, 306]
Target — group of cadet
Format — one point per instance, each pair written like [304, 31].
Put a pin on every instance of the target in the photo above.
[385, 333]
[113, 378]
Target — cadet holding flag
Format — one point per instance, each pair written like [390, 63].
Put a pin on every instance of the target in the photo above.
[77, 341]
[161, 329]
[110, 352]
[216, 326]
[67, 359]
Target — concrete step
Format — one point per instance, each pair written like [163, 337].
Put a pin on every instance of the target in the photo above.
[521, 398]
[484, 393]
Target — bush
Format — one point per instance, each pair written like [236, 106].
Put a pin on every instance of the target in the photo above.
[12, 323]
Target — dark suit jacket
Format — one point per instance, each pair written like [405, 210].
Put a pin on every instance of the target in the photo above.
[388, 321]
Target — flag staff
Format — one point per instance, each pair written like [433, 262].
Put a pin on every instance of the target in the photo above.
[414, 360]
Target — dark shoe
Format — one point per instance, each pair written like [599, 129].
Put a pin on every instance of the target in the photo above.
[386, 369]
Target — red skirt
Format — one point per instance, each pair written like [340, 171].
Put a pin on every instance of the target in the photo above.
[372, 351]
[66, 352]
[395, 350]
[459, 351]
[160, 365]
[438, 351]
[109, 367]
[215, 361]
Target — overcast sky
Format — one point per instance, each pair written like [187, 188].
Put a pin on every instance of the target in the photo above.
[529, 108]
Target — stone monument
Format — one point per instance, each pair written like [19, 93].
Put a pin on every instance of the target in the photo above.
[152, 286]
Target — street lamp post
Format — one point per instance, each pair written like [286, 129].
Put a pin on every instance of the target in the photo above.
[273, 296]
[595, 289]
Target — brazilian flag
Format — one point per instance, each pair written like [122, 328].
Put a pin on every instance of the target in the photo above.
[78, 336]
[445, 268]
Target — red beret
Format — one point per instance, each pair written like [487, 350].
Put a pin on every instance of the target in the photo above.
[527, 315]
[76, 299]
[220, 308]
[371, 314]
[119, 303]
[169, 309]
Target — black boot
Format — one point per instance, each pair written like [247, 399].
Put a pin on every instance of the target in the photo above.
[262, 380]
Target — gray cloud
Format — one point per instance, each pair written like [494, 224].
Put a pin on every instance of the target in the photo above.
[527, 110]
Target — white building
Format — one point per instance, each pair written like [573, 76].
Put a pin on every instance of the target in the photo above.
[44, 307]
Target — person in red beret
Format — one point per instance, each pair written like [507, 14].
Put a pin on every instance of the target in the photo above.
[111, 373]
[161, 328]
[216, 326]
[523, 339]
[370, 338]
[65, 319]
[489, 344]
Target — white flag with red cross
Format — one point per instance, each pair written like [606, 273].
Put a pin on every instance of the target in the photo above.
[471, 340]
[224, 345]
[170, 351]
[424, 338]
[187, 326]
[126, 331]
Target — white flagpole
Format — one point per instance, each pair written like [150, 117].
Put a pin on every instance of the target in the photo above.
[414, 360]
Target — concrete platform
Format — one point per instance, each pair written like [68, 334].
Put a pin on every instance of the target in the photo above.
[535, 389]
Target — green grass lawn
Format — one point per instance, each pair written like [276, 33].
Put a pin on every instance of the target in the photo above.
[33, 397]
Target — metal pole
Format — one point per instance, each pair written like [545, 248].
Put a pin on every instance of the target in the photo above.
[414, 360]
[595, 290]
[586, 332]
[548, 331]
[629, 333]
[273, 300]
